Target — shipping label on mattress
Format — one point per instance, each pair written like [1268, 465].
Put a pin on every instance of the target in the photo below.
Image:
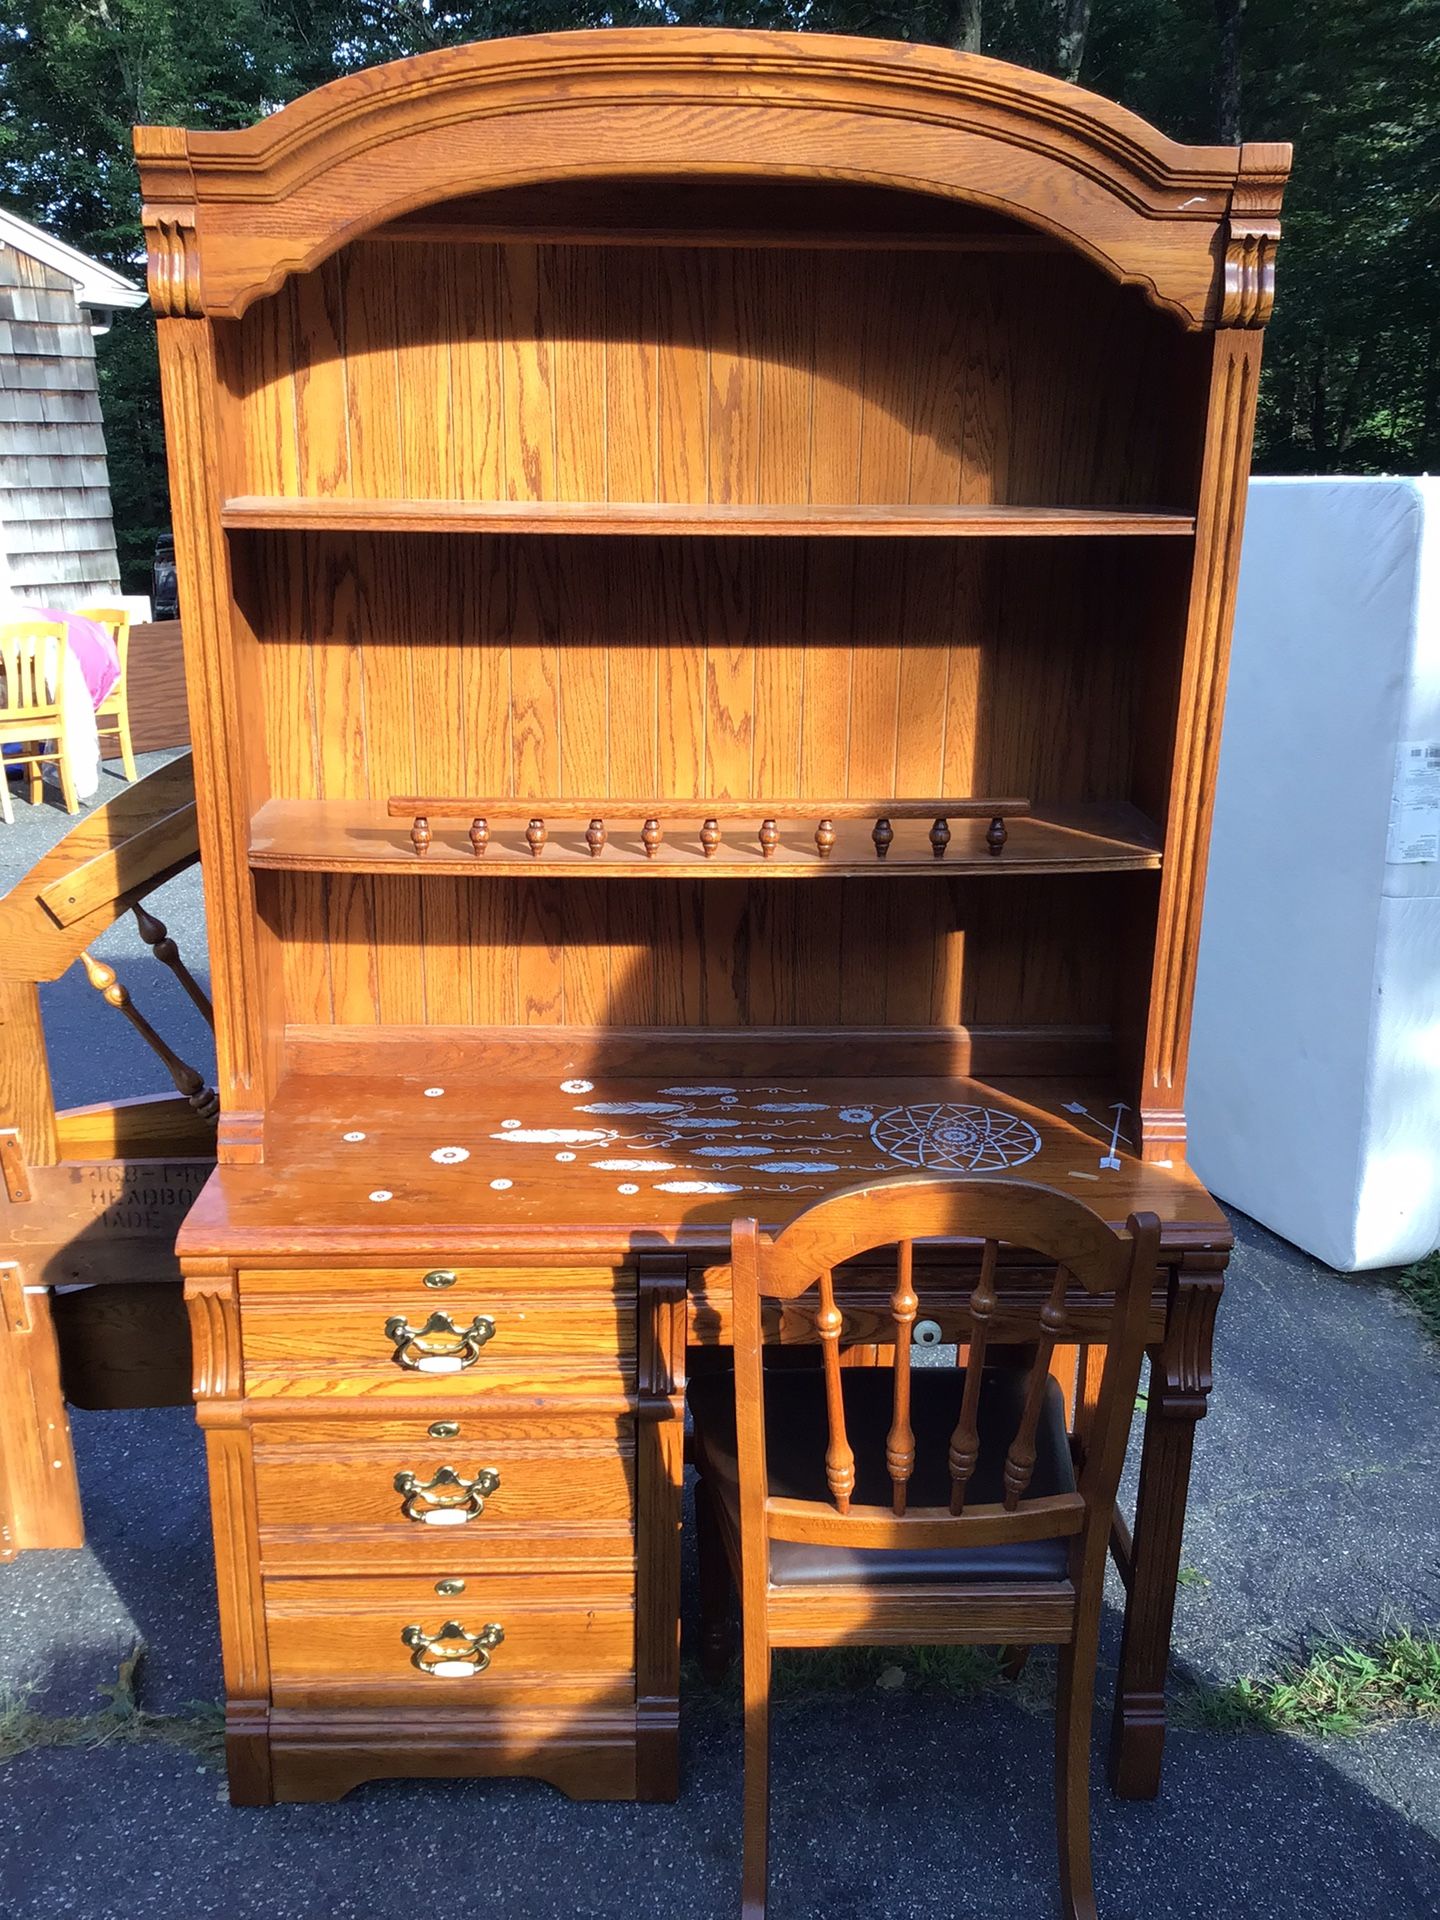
[1415, 804]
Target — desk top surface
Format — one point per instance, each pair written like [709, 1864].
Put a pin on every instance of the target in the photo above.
[373, 1166]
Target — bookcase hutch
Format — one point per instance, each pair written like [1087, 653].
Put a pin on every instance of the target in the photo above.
[706, 561]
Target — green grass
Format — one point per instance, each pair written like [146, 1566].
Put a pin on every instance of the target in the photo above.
[199, 1730]
[1338, 1689]
[1420, 1285]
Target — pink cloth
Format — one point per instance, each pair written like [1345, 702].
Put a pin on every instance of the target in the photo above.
[93, 649]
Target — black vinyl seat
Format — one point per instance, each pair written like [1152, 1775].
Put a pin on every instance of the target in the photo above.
[796, 1435]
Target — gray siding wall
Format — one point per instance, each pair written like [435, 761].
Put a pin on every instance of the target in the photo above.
[56, 532]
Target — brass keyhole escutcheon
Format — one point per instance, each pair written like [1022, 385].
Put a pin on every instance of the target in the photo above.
[440, 1277]
[444, 1429]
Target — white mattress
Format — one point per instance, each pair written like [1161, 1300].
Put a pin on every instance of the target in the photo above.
[1314, 1084]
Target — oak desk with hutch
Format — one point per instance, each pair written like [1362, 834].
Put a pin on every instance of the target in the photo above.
[707, 562]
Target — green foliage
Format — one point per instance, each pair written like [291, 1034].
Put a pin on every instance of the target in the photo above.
[1420, 1285]
[1353, 358]
[199, 1730]
[1338, 1690]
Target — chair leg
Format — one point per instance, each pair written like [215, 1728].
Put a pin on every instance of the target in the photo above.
[7, 811]
[67, 781]
[1074, 1705]
[717, 1637]
[757, 1771]
[127, 751]
[35, 778]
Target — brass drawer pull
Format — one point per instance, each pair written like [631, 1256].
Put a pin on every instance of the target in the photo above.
[447, 1500]
[439, 1346]
[452, 1653]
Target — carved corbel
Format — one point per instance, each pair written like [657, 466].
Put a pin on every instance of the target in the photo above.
[214, 1309]
[1253, 235]
[1249, 291]
[1181, 1375]
[174, 280]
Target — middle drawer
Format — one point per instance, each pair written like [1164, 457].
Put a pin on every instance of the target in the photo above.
[491, 1492]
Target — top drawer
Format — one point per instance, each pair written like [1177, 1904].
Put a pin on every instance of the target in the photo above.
[413, 1331]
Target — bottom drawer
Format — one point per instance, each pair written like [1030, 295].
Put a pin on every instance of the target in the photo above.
[563, 1639]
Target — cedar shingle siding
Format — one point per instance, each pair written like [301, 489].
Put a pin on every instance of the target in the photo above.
[56, 530]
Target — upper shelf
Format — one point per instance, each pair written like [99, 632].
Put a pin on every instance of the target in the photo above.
[356, 836]
[331, 515]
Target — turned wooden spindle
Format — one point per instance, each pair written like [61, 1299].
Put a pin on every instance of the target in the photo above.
[420, 833]
[651, 834]
[156, 936]
[1054, 1325]
[900, 1441]
[535, 836]
[839, 1459]
[709, 837]
[769, 837]
[204, 1100]
[882, 834]
[595, 838]
[995, 834]
[965, 1440]
[939, 838]
[825, 838]
[479, 834]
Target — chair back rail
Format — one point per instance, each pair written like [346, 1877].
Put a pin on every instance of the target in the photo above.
[116, 622]
[1115, 1267]
[32, 676]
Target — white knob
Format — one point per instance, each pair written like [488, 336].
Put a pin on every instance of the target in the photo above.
[927, 1333]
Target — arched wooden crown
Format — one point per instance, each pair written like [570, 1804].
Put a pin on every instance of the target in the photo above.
[229, 215]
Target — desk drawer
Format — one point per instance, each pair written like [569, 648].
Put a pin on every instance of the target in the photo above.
[495, 1491]
[386, 1331]
[567, 1639]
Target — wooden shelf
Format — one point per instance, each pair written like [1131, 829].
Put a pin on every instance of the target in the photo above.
[355, 836]
[331, 515]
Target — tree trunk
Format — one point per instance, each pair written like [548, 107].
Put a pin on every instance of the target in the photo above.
[1074, 26]
[962, 25]
[1228, 15]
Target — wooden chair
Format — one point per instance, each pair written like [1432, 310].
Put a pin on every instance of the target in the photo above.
[875, 1506]
[29, 714]
[113, 713]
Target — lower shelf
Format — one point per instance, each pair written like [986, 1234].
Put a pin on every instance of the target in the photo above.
[355, 836]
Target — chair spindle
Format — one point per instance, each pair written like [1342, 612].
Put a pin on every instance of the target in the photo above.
[900, 1444]
[1020, 1460]
[839, 1460]
[965, 1441]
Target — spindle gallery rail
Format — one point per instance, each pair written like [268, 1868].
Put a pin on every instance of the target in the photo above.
[652, 817]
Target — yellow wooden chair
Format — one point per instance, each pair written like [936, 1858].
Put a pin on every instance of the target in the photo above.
[30, 714]
[113, 713]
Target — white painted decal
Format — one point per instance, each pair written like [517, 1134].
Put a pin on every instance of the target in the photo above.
[633, 1166]
[791, 1106]
[352, 1137]
[697, 1093]
[433, 1093]
[519, 1136]
[797, 1166]
[500, 1185]
[695, 1186]
[450, 1156]
[632, 1106]
[577, 1086]
[382, 1193]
